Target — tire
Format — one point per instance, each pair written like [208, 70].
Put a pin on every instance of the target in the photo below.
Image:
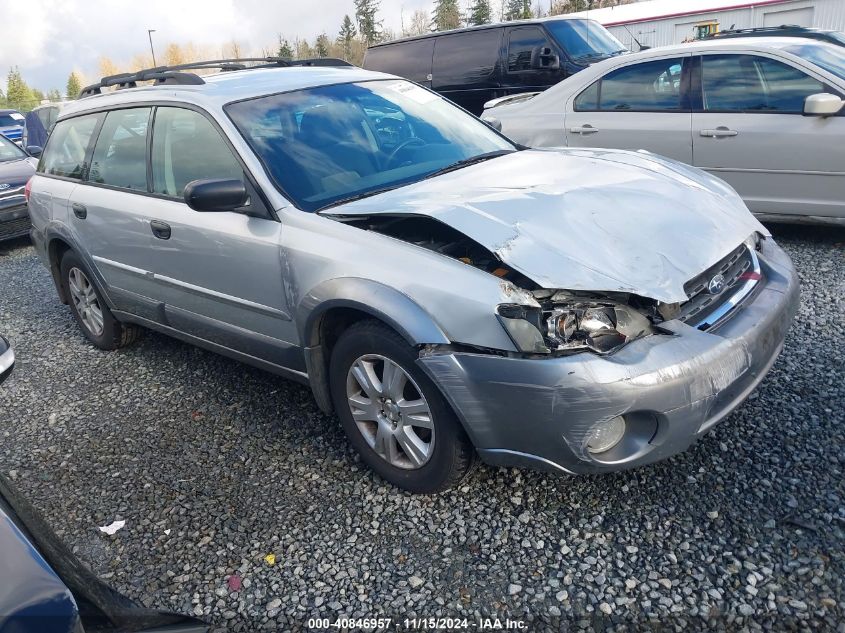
[111, 333]
[370, 346]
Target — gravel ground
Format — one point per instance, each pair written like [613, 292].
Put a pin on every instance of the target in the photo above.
[214, 465]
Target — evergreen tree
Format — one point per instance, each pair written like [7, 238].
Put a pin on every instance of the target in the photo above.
[347, 36]
[446, 15]
[518, 9]
[54, 95]
[285, 51]
[368, 26]
[321, 45]
[480, 13]
[73, 86]
[2, 99]
[18, 95]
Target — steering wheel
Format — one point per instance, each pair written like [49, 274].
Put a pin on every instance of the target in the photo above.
[414, 140]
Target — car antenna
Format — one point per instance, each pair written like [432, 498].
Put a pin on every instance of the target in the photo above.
[642, 48]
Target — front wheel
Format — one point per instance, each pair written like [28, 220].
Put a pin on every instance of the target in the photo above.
[393, 414]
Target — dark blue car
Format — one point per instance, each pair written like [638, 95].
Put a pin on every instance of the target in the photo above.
[11, 125]
[44, 588]
[16, 167]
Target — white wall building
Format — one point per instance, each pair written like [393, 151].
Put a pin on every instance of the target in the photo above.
[662, 22]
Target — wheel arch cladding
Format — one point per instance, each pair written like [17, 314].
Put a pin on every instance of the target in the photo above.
[335, 304]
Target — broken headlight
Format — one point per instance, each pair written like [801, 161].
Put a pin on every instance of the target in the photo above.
[597, 327]
[602, 328]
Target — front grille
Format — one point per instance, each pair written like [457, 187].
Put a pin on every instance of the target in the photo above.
[15, 228]
[703, 308]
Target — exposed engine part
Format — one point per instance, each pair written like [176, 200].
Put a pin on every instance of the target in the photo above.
[438, 237]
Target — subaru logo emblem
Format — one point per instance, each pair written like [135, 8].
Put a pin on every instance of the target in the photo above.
[716, 285]
[4, 185]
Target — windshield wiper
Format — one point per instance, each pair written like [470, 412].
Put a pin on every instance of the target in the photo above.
[469, 161]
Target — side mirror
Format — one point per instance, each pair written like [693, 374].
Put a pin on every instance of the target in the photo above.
[544, 58]
[822, 104]
[34, 150]
[216, 195]
[7, 359]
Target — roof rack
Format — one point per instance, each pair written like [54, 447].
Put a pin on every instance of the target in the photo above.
[174, 75]
[758, 29]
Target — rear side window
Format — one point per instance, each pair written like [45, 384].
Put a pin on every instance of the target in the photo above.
[67, 147]
[120, 156]
[411, 60]
[523, 44]
[647, 87]
[747, 83]
[466, 60]
[187, 147]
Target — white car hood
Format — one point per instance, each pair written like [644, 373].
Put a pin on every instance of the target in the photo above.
[584, 219]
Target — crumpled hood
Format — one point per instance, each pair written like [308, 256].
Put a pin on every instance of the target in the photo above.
[585, 219]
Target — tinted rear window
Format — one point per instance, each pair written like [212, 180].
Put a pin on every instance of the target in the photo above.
[411, 60]
[467, 59]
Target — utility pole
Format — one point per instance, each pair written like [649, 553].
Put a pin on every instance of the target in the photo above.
[150, 35]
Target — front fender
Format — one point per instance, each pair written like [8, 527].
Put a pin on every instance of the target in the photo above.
[387, 304]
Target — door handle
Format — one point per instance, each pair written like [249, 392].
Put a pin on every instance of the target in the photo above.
[79, 210]
[160, 229]
[718, 132]
[584, 129]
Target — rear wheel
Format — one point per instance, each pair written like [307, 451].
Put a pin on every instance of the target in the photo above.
[89, 309]
[393, 414]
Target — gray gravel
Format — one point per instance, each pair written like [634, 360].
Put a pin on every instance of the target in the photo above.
[213, 465]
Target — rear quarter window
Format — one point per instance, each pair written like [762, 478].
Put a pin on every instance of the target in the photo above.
[67, 147]
[411, 60]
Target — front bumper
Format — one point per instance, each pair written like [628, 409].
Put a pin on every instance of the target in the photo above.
[14, 222]
[671, 389]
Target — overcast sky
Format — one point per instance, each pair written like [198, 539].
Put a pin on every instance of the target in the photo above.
[47, 39]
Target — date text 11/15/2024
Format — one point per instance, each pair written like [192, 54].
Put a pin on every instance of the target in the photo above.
[419, 624]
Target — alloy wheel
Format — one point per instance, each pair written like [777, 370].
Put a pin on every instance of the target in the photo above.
[85, 301]
[390, 411]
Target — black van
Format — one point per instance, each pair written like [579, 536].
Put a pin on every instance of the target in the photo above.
[474, 65]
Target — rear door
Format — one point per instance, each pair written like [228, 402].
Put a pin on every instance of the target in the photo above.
[638, 106]
[108, 212]
[749, 129]
[465, 68]
[219, 275]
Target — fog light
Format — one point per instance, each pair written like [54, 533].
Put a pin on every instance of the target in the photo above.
[605, 435]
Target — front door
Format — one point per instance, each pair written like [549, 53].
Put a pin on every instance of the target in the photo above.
[219, 275]
[749, 129]
[638, 106]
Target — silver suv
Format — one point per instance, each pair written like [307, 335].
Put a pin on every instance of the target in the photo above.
[446, 292]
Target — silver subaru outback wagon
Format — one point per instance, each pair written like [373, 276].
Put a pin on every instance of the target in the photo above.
[447, 293]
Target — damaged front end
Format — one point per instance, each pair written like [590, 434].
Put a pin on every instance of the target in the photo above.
[537, 320]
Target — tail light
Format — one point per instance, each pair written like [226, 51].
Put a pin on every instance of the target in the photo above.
[27, 189]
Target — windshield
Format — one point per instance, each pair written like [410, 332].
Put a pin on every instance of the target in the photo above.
[327, 145]
[585, 39]
[10, 151]
[8, 120]
[827, 56]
